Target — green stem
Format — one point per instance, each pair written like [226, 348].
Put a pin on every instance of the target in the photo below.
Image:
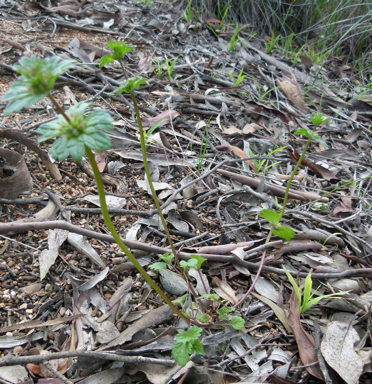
[293, 175]
[118, 240]
[143, 149]
[58, 108]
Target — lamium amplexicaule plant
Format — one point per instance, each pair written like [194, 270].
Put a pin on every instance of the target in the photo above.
[79, 131]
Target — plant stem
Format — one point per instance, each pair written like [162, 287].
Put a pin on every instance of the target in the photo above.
[58, 108]
[118, 240]
[143, 149]
[293, 175]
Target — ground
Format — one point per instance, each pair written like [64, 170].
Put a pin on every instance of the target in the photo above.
[223, 154]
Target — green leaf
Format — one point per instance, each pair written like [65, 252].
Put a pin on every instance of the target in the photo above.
[199, 261]
[119, 49]
[181, 352]
[197, 347]
[277, 310]
[167, 257]
[318, 118]
[81, 131]
[180, 300]
[36, 81]
[203, 318]
[194, 332]
[225, 310]
[159, 265]
[184, 265]
[307, 290]
[311, 136]
[271, 216]
[285, 233]
[130, 85]
[295, 286]
[237, 322]
[309, 304]
[107, 59]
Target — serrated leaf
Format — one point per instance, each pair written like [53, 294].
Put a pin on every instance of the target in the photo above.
[36, 81]
[159, 265]
[311, 135]
[271, 216]
[130, 85]
[199, 261]
[285, 233]
[197, 347]
[194, 332]
[203, 318]
[184, 264]
[167, 257]
[181, 352]
[107, 59]
[81, 131]
[237, 322]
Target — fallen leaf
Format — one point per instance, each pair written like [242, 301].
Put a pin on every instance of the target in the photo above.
[338, 350]
[304, 343]
[224, 290]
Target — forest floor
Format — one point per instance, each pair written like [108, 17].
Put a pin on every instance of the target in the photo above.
[223, 152]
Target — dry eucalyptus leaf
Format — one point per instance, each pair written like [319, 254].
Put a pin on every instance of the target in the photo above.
[338, 350]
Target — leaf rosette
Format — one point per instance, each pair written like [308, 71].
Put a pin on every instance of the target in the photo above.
[77, 133]
[36, 81]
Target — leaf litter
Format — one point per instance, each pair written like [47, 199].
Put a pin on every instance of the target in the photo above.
[221, 188]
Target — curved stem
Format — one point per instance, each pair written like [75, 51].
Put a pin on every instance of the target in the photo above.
[58, 108]
[118, 240]
[293, 175]
[143, 149]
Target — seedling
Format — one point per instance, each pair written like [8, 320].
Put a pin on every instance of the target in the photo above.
[305, 302]
[159, 70]
[234, 38]
[170, 67]
[77, 135]
[239, 79]
[258, 164]
[203, 148]
[273, 217]
[189, 13]
[271, 43]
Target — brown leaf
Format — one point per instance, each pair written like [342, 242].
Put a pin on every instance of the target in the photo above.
[316, 168]
[237, 151]
[101, 160]
[167, 116]
[224, 290]
[304, 343]
[293, 91]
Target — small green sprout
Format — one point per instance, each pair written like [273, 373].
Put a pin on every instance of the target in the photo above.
[120, 49]
[194, 262]
[305, 301]
[274, 218]
[234, 38]
[170, 67]
[131, 84]
[318, 119]
[239, 79]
